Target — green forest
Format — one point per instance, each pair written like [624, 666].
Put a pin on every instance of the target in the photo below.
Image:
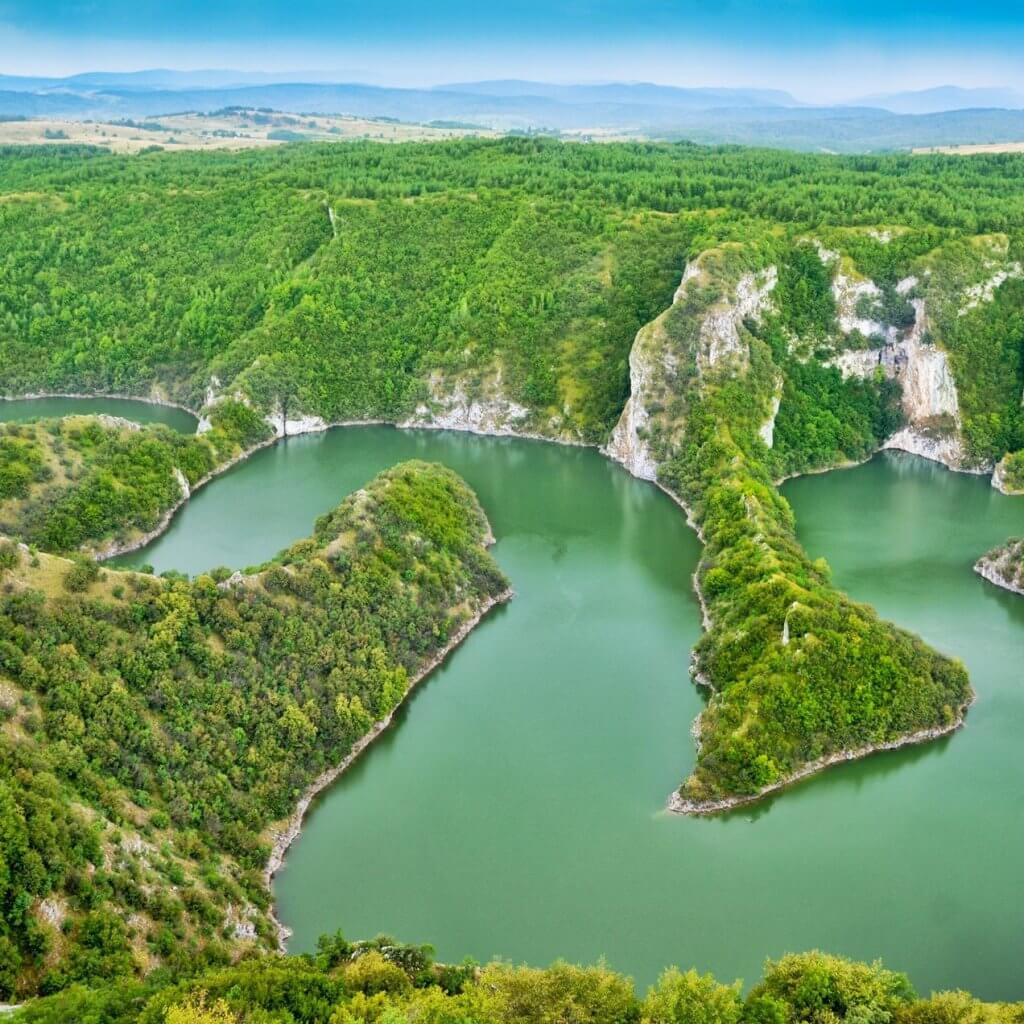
[341, 279]
[156, 728]
[153, 728]
[387, 981]
[100, 483]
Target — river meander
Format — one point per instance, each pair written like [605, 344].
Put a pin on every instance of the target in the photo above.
[516, 807]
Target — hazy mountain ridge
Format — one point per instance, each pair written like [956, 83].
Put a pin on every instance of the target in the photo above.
[711, 115]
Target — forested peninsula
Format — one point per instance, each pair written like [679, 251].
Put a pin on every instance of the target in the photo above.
[155, 729]
[716, 318]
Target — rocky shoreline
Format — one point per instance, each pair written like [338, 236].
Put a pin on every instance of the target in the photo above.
[994, 569]
[153, 398]
[292, 827]
[677, 804]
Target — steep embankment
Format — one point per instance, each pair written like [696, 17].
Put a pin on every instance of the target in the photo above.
[1004, 566]
[801, 676]
[949, 333]
[155, 729]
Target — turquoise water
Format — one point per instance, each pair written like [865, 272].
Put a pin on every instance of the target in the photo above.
[139, 411]
[516, 807]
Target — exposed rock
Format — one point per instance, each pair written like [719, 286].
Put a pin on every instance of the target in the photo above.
[241, 921]
[936, 444]
[930, 401]
[999, 480]
[53, 911]
[1004, 566]
[628, 444]
[654, 360]
[117, 422]
[186, 491]
[848, 291]
[452, 409]
[986, 291]
[284, 427]
[767, 429]
[719, 334]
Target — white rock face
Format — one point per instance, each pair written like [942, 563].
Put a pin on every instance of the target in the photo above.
[719, 334]
[626, 445]
[186, 491]
[767, 430]
[986, 291]
[455, 410]
[691, 271]
[930, 401]
[929, 389]
[944, 447]
[859, 362]
[117, 422]
[848, 293]
[651, 361]
[283, 427]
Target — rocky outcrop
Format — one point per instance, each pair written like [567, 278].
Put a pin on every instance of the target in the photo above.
[986, 290]
[628, 444]
[451, 408]
[767, 429]
[284, 426]
[849, 293]
[657, 359]
[1001, 477]
[720, 339]
[931, 405]
[1004, 566]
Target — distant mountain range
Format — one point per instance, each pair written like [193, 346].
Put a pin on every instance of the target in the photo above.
[947, 115]
[946, 97]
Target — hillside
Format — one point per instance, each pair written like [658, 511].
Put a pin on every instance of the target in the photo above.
[828, 307]
[154, 730]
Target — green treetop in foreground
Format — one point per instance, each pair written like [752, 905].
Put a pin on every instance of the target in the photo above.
[390, 983]
[155, 728]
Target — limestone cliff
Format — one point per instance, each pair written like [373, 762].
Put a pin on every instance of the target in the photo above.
[699, 332]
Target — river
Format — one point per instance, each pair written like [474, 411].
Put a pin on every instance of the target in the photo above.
[516, 807]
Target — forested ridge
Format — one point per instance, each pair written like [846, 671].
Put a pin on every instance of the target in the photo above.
[408, 283]
[153, 728]
[102, 483]
[344, 278]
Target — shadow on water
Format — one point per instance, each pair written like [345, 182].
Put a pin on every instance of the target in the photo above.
[385, 742]
[838, 780]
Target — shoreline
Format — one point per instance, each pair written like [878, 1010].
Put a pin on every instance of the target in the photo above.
[678, 804]
[988, 570]
[292, 828]
[150, 399]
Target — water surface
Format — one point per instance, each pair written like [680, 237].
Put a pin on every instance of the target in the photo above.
[20, 409]
[516, 808]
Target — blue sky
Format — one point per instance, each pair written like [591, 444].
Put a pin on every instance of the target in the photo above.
[819, 50]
